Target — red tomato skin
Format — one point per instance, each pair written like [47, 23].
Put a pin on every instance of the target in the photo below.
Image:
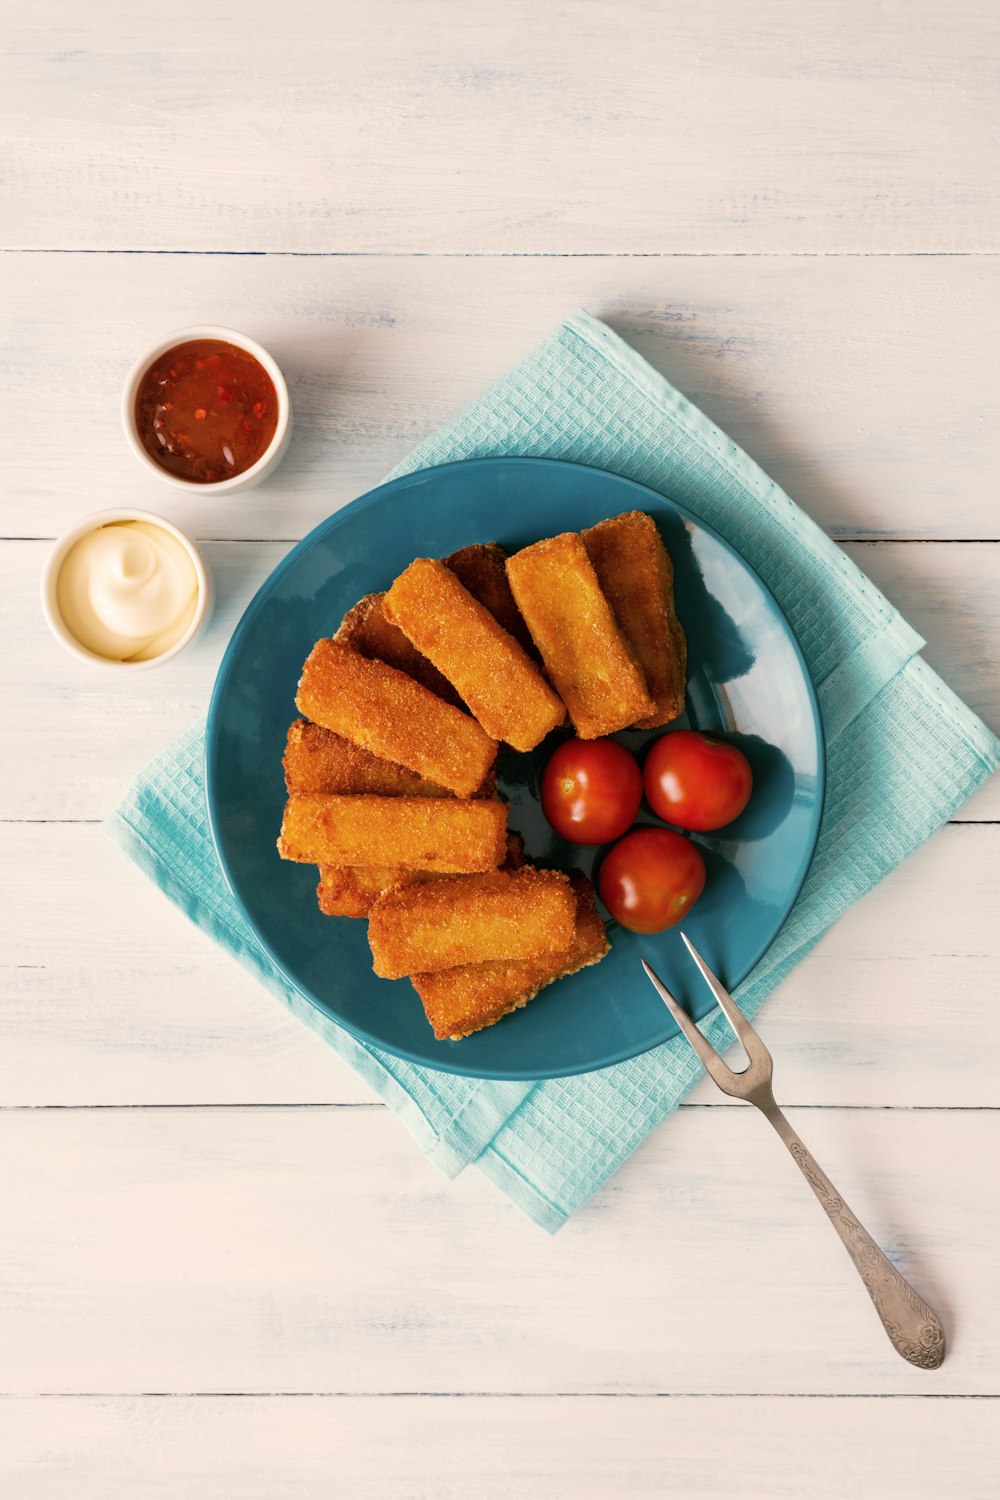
[591, 790]
[696, 781]
[651, 879]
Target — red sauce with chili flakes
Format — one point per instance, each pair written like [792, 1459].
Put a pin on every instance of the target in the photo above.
[206, 411]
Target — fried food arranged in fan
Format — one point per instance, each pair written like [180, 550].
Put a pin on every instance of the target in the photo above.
[585, 653]
[482, 569]
[366, 630]
[352, 890]
[462, 1000]
[383, 710]
[493, 674]
[465, 919]
[448, 834]
[637, 576]
[391, 774]
[317, 760]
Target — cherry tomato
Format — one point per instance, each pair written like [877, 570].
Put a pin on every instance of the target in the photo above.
[591, 790]
[696, 781]
[651, 879]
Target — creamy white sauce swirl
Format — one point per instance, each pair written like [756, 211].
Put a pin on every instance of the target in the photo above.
[127, 591]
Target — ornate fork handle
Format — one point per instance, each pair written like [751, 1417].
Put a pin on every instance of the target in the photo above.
[912, 1326]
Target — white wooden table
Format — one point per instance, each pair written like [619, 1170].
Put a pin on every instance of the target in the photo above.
[225, 1271]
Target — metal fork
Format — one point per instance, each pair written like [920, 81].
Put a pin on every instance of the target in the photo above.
[913, 1328]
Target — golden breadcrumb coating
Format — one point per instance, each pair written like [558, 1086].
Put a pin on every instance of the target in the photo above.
[352, 890]
[586, 655]
[366, 630]
[635, 572]
[422, 833]
[462, 1000]
[317, 760]
[470, 919]
[502, 687]
[380, 708]
[481, 568]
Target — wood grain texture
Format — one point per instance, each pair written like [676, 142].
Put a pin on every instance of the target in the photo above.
[535, 1448]
[260, 1251]
[891, 1010]
[792, 212]
[868, 388]
[448, 127]
[83, 733]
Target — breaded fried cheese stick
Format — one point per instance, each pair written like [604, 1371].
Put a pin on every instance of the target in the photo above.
[317, 760]
[367, 631]
[471, 918]
[462, 1000]
[352, 890]
[481, 568]
[380, 708]
[635, 572]
[421, 833]
[573, 626]
[495, 677]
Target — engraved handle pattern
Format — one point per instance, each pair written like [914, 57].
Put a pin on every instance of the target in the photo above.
[912, 1326]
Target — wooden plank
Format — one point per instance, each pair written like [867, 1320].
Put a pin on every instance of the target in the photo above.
[86, 1023]
[213, 1251]
[76, 757]
[457, 128]
[531, 1448]
[310, 1248]
[868, 388]
[949, 593]
[82, 734]
[891, 1009]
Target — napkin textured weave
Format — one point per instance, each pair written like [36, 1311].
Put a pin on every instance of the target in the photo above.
[913, 754]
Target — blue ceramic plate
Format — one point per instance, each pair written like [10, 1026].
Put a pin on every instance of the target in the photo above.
[746, 678]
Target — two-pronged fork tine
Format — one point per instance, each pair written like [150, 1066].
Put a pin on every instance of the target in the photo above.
[914, 1329]
[740, 1085]
[713, 1062]
[752, 1044]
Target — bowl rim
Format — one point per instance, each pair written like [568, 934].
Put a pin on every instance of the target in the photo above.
[95, 522]
[153, 351]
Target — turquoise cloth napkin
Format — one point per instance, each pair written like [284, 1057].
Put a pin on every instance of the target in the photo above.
[914, 753]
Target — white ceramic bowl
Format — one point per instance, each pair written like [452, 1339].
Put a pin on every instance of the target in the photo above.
[50, 589]
[268, 460]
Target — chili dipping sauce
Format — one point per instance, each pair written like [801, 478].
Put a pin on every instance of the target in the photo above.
[206, 411]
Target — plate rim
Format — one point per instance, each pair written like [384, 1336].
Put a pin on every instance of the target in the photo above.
[448, 1064]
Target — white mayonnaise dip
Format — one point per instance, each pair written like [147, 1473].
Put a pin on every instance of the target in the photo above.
[127, 591]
